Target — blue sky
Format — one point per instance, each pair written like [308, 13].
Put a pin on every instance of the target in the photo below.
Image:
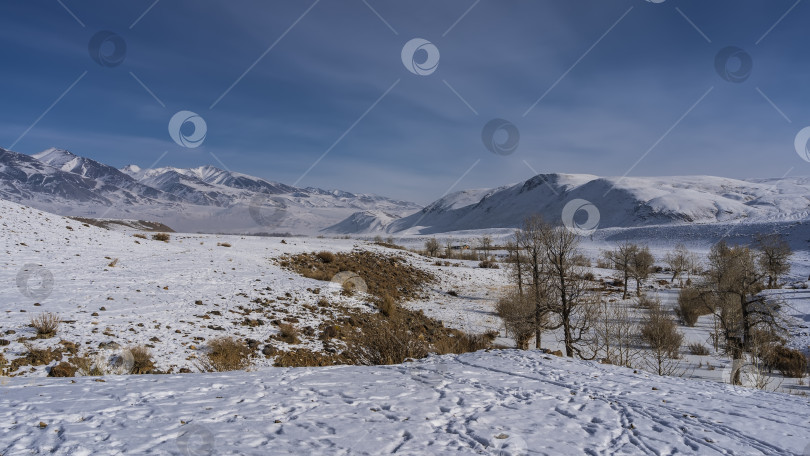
[619, 77]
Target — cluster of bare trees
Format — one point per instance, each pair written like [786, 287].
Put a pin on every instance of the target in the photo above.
[731, 292]
[479, 250]
[633, 262]
[552, 292]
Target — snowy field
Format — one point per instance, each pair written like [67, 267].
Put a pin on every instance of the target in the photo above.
[174, 296]
[491, 403]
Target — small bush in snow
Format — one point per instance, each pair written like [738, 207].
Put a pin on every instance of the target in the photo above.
[46, 325]
[225, 354]
[698, 349]
[789, 362]
[141, 360]
[161, 237]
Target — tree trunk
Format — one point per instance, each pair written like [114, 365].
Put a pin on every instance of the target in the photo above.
[538, 310]
[626, 278]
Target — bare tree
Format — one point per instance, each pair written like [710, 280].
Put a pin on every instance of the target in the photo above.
[516, 262]
[621, 259]
[432, 247]
[615, 333]
[641, 266]
[678, 261]
[529, 240]
[774, 258]
[571, 304]
[659, 332]
[734, 274]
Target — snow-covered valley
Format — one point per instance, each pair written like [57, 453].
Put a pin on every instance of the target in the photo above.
[113, 290]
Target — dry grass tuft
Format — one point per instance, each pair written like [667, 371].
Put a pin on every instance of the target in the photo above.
[388, 306]
[161, 237]
[288, 333]
[142, 362]
[225, 354]
[46, 324]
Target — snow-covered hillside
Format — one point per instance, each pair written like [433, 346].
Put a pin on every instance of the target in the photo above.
[627, 202]
[203, 199]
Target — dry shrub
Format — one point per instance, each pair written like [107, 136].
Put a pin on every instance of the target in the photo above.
[691, 305]
[385, 342]
[489, 263]
[86, 366]
[581, 260]
[46, 324]
[388, 306]
[789, 362]
[35, 357]
[326, 257]
[225, 354]
[223, 244]
[383, 274]
[139, 236]
[698, 349]
[304, 357]
[517, 313]
[113, 263]
[62, 369]
[161, 237]
[462, 343]
[288, 333]
[142, 362]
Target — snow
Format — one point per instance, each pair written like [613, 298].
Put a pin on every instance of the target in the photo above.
[498, 402]
[494, 402]
[622, 202]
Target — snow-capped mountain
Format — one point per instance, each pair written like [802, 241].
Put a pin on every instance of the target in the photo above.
[204, 199]
[621, 202]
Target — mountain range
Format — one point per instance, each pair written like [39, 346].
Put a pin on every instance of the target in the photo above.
[630, 202]
[204, 199]
[209, 199]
